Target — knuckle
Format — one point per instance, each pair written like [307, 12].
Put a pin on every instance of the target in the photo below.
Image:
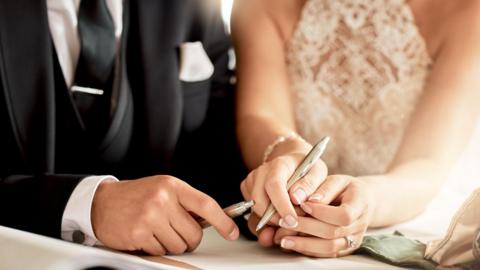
[308, 183]
[207, 204]
[272, 184]
[283, 164]
[261, 202]
[347, 217]
[338, 232]
[172, 182]
[169, 183]
[161, 196]
[137, 235]
[332, 246]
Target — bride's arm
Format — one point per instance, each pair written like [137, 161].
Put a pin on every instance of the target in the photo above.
[439, 129]
[264, 112]
[264, 108]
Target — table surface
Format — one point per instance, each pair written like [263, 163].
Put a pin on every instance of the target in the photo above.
[21, 250]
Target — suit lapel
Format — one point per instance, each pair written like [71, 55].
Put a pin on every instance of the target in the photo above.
[26, 68]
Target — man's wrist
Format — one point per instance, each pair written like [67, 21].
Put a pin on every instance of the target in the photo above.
[97, 204]
[76, 220]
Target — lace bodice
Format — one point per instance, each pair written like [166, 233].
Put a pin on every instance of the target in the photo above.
[357, 69]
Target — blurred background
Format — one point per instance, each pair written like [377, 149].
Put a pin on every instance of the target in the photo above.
[226, 11]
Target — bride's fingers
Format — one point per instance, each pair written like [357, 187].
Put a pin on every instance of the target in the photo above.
[276, 188]
[306, 186]
[253, 189]
[281, 233]
[342, 215]
[274, 221]
[314, 227]
[322, 248]
[330, 189]
[352, 206]
[266, 236]
[252, 223]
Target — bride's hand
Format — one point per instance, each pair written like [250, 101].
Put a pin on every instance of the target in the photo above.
[268, 183]
[339, 213]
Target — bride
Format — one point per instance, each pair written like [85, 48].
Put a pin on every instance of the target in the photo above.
[394, 83]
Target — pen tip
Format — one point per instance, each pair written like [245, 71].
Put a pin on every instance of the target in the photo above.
[260, 225]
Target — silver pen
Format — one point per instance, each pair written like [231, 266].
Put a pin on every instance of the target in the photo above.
[303, 168]
[232, 211]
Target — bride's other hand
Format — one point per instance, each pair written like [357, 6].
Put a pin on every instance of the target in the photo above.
[339, 212]
[268, 183]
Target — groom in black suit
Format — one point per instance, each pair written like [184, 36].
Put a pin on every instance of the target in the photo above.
[145, 94]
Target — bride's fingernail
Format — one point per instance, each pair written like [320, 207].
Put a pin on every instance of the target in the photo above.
[300, 195]
[316, 198]
[307, 209]
[287, 243]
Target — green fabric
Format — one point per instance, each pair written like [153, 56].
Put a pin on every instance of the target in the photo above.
[397, 250]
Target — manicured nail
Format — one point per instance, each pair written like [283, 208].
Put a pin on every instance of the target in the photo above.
[300, 195]
[316, 198]
[288, 222]
[307, 209]
[287, 244]
[234, 234]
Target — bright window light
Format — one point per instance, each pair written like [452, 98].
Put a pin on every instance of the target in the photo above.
[226, 11]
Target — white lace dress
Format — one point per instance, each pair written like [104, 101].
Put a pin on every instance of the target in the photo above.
[357, 69]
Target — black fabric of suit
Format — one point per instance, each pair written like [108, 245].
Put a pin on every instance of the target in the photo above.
[183, 129]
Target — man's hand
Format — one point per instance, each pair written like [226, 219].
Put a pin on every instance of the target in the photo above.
[153, 214]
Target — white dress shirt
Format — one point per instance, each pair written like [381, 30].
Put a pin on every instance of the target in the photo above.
[62, 18]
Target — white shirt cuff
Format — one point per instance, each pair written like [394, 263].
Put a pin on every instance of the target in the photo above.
[76, 220]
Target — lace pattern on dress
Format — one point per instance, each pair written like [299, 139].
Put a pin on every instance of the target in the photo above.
[357, 69]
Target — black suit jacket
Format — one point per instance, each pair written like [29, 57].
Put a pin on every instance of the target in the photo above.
[175, 123]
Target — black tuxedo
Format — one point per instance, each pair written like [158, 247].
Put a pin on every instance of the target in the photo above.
[164, 126]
